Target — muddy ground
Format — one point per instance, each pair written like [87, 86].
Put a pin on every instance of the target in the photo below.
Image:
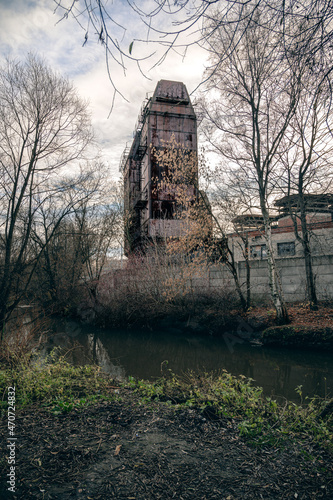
[128, 450]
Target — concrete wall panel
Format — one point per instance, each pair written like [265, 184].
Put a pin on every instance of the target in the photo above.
[292, 273]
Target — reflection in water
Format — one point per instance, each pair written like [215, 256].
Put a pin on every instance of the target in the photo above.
[140, 354]
[101, 357]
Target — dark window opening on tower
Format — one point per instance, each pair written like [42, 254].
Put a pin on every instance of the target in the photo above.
[167, 210]
[159, 172]
[163, 210]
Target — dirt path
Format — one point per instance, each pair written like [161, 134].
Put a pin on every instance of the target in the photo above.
[126, 450]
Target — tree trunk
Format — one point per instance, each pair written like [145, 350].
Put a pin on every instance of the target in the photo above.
[2, 324]
[232, 268]
[305, 240]
[282, 317]
[248, 271]
[310, 280]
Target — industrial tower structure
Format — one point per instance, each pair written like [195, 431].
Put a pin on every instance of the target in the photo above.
[168, 113]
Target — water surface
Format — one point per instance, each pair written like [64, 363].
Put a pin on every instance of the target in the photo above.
[140, 354]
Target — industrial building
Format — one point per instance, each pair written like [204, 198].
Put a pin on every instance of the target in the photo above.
[167, 115]
[289, 253]
[319, 219]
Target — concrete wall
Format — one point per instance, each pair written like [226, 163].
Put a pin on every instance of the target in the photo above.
[292, 273]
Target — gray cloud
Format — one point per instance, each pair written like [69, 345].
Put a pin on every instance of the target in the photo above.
[33, 27]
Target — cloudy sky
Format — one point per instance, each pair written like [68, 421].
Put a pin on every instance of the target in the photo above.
[36, 26]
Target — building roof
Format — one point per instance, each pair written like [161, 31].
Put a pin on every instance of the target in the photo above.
[313, 203]
[171, 92]
[250, 221]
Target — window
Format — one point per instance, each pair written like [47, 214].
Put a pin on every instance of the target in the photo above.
[163, 209]
[286, 249]
[258, 252]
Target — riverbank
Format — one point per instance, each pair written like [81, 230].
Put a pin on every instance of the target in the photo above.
[80, 434]
[307, 329]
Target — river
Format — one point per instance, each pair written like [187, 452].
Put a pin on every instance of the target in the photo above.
[143, 354]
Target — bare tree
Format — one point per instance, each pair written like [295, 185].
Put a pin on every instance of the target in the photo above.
[98, 226]
[228, 205]
[44, 128]
[256, 95]
[73, 260]
[202, 233]
[161, 23]
[306, 162]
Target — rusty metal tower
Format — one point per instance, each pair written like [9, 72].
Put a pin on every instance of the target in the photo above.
[168, 113]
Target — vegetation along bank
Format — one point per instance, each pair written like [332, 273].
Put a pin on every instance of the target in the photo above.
[82, 435]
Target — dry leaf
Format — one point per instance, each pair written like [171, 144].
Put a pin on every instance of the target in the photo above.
[117, 450]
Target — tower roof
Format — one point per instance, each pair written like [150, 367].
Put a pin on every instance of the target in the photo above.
[171, 92]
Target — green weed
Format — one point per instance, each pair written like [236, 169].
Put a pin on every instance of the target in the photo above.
[54, 383]
[62, 388]
[260, 420]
